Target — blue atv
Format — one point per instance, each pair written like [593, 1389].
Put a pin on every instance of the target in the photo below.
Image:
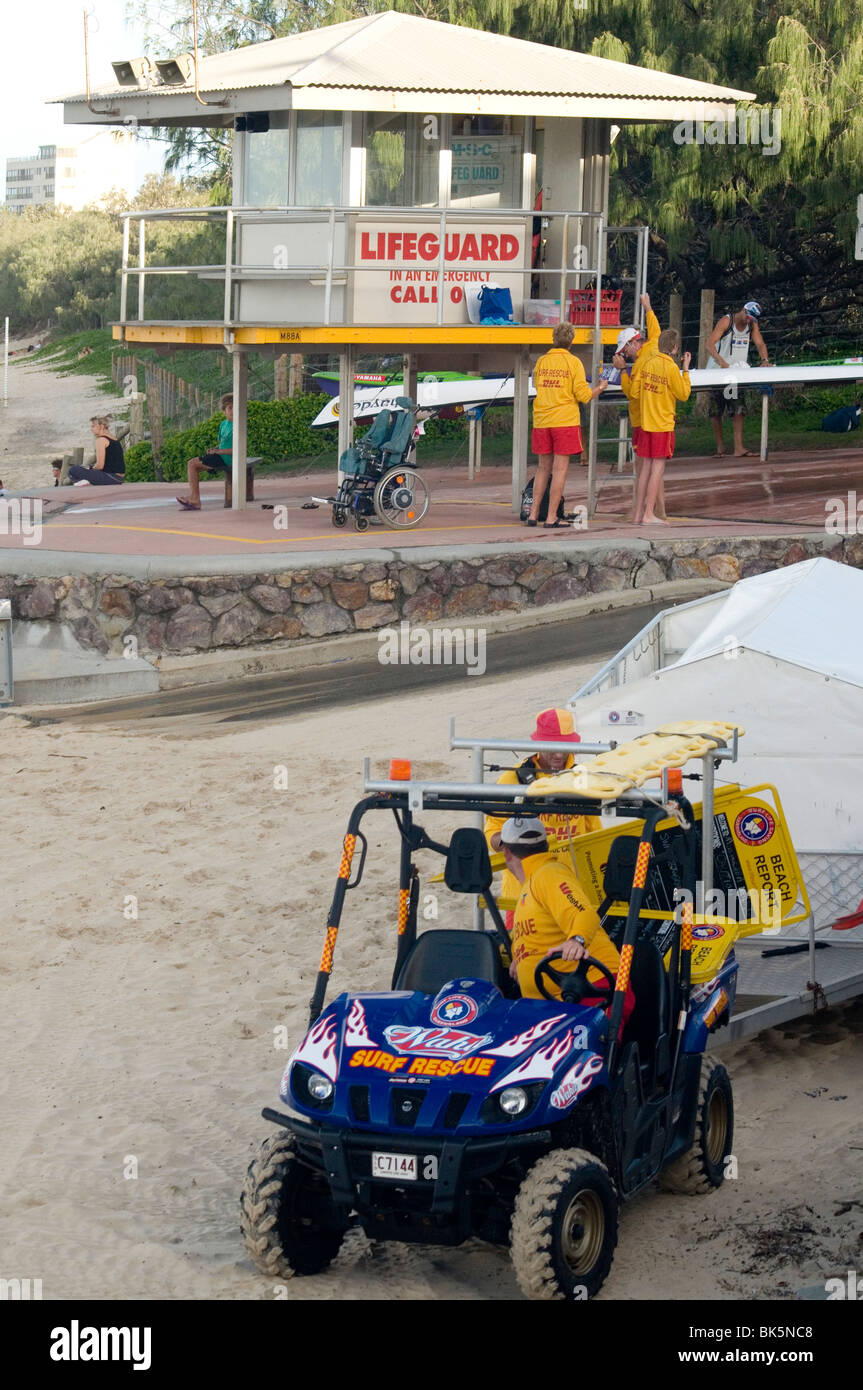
[450, 1108]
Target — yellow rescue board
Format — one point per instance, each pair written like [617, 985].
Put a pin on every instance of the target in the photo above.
[631, 764]
[752, 840]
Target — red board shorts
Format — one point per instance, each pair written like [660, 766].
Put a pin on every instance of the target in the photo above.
[560, 439]
[636, 436]
[656, 444]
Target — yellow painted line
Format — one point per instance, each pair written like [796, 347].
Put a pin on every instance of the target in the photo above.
[282, 540]
[165, 531]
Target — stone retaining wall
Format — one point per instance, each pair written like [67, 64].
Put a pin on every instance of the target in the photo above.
[173, 617]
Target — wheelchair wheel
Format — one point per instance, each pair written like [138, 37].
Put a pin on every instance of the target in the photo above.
[361, 523]
[401, 498]
[340, 517]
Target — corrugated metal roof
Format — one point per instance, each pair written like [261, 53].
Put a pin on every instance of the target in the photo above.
[402, 53]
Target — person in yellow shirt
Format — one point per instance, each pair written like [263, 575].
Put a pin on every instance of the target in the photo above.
[633, 350]
[658, 386]
[560, 384]
[554, 916]
[552, 726]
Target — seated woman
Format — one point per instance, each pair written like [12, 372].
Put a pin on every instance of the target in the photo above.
[110, 466]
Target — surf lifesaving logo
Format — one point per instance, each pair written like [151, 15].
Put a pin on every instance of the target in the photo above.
[454, 1008]
[707, 932]
[754, 826]
[435, 1042]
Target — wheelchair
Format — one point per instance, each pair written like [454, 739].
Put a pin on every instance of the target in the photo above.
[380, 474]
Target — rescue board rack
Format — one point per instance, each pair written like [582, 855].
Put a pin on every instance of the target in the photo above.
[418, 792]
[479, 746]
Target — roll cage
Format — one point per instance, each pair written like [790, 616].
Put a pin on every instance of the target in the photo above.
[404, 799]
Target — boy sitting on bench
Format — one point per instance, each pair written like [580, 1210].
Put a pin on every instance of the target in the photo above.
[219, 462]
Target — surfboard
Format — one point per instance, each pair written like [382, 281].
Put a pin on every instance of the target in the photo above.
[491, 392]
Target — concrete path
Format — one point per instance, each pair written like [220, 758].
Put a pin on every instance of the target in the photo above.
[705, 497]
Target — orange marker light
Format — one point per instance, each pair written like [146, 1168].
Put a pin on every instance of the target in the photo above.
[675, 779]
[400, 770]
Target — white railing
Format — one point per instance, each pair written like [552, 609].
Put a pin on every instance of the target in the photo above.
[587, 229]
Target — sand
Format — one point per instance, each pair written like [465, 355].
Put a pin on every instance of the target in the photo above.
[139, 1050]
[47, 416]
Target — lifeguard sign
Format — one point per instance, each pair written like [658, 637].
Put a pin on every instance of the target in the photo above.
[402, 273]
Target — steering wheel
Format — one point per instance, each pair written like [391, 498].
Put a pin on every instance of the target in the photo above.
[574, 984]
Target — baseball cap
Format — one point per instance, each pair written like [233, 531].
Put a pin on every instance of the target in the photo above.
[626, 335]
[752, 308]
[555, 726]
[523, 831]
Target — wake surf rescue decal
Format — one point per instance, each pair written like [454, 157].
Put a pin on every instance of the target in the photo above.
[576, 1081]
[435, 1042]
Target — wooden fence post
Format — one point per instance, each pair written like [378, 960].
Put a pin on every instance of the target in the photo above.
[280, 377]
[295, 384]
[675, 313]
[705, 328]
[136, 419]
[154, 415]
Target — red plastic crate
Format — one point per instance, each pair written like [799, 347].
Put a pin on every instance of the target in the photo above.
[582, 307]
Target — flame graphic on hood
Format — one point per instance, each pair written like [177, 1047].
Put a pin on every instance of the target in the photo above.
[318, 1048]
[540, 1065]
[514, 1047]
[356, 1028]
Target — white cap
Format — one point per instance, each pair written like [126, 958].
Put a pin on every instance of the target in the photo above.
[523, 831]
[625, 336]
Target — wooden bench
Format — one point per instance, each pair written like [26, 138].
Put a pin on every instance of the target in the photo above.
[250, 482]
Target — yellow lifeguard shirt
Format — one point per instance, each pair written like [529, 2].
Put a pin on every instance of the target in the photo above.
[658, 385]
[647, 350]
[560, 384]
[553, 906]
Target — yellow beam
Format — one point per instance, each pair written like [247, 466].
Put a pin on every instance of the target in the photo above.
[262, 335]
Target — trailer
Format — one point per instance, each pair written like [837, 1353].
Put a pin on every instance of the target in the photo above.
[775, 652]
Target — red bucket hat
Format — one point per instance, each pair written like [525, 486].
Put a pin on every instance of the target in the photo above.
[555, 726]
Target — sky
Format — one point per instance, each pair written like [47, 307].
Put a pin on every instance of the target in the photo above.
[42, 56]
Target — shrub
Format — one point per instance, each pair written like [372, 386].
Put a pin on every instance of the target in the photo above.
[277, 431]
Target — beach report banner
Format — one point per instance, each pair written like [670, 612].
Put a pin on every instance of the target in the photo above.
[398, 277]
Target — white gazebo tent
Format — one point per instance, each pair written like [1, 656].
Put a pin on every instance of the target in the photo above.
[779, 654]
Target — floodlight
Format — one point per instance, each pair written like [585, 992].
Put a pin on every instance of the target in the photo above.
[133, 72]
[176, 72]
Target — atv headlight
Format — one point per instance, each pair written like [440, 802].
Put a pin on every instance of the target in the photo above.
[320, 1087]
[513, 1101]
[311, 1088]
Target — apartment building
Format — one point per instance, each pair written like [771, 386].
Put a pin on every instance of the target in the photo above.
[72, 175]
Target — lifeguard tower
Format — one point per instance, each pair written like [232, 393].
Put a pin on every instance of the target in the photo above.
[383, 168]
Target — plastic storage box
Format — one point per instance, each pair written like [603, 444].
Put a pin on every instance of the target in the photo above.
[582, 307]
[545, 312]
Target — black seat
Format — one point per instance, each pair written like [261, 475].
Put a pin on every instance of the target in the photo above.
[649, 1018]
[446, 954]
